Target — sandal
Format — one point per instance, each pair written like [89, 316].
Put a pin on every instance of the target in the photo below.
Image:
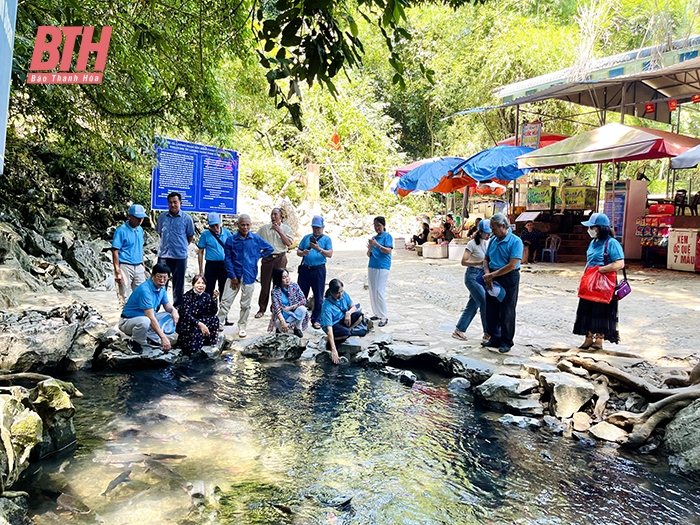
[316, 325]
[457, 334]
[259, 315]
[383, 322]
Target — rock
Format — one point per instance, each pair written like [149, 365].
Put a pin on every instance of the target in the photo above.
[498, 388]
[568, 366]
[118, 356]
[555, 426]
[38, 246]
[404, 376]
[583, 439]
[608, 432]
[582, 421]
[535, 369]
[682, 440]
[475, 371]
[59, 233]
[568, 393]
[52, 401]
[14, 511]
[351, 346]
[635, 403]
[459, 385]
[520, 421]
[527, 406]
[383, 340]
[274, 346]
[87, 259]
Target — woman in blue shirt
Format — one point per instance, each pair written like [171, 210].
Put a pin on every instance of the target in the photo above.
[598, 321]
[339, 315]
[379, 250]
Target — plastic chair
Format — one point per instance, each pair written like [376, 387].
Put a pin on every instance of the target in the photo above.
[694, 202]
[680, 201]
[551, 246]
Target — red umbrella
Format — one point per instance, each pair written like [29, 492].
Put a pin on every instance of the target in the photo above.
[400, 172]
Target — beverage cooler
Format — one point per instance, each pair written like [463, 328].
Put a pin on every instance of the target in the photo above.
[624, 206]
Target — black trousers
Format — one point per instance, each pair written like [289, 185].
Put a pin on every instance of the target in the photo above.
[215, 274]
[178, 267]
[500, 315]
[313, 278]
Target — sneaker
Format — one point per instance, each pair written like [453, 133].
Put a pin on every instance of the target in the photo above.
[242, 334]
[504, 349]
[135, 347]
[458, 334]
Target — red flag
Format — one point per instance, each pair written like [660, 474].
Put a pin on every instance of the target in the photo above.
[334, 143]
[695, 99]
[649, 107]
[672, 105]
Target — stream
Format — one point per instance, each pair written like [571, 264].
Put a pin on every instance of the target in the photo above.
[299, 443]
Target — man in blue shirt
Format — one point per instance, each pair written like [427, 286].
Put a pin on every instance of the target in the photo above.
[139, 319]
[315, 248]
[211, 248]
[502, 271]
[176, 230]
[242, 252]
[127, 254]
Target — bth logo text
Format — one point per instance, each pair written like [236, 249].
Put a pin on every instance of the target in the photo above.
[49, 40]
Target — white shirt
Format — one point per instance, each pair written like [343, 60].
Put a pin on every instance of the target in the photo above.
[478, 251]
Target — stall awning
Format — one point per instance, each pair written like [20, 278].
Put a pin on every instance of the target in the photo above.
[654, 74]
[610, 143]
[689, 159]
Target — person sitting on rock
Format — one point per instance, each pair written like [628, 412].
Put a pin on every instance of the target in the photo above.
[139, 319]
[339, 315]
[198, 324]
[289, 313]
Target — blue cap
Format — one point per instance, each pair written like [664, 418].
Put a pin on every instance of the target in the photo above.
[317, 222]
[213, 218]
[484, 226]
[597, 219]
[137, 211]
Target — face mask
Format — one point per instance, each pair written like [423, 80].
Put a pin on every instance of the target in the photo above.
[593, 234]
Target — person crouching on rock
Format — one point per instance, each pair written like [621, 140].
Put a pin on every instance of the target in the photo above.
[139, 319]
[339, 315]
[198, 324]
[289, 313]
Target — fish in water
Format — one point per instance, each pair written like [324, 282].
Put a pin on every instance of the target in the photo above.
[121, 478]
[73, 504]
[162, 471]
[125, 459]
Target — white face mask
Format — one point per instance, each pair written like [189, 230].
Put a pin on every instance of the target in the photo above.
[592, 233]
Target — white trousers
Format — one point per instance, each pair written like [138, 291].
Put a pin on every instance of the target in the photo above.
[377, 291]
[132, 276]
[227, 299]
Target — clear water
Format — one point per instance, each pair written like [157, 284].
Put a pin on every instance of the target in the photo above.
[286, 443]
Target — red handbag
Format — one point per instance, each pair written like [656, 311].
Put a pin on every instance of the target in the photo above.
[597, 287]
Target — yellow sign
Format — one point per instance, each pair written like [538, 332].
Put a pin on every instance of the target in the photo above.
[540, 198]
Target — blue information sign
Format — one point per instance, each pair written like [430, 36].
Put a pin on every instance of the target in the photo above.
[8, 14]
[205, 176]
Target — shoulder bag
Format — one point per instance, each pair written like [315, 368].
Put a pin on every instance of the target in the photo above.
[623, 288]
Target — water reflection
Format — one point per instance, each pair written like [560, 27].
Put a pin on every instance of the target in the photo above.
[296, 443]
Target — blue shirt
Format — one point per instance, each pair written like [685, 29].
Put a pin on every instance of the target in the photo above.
[500, 252]
[594, 254]
[129, 242]
[315, 258]
[145, 297]
[377, 258]
[174, 231]
[242, 255]
[333, 311]
[213, 249]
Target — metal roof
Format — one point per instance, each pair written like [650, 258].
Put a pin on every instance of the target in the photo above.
[651, 74]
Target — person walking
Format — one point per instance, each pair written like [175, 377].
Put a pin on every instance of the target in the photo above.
[242, 252]
[280, 237]
[502, 277]
[598, 321]
[176, 230]
[127, 254]
[473, 259]
[379, 250]
[211, 249]
[315, 249]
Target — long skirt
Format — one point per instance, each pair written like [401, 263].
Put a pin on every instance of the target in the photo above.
[597, 318]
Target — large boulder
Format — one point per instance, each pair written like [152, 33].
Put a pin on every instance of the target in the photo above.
[39, 246]
[274, 346]
[567, 392]
[20, 429]
[51, 399]
[682, 440]
[59, 232]
[510, 394]
[475, 371]
[87, 259]
[64, 338]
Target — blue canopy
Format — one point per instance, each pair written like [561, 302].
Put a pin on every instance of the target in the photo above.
[499, 163]
[427, 176]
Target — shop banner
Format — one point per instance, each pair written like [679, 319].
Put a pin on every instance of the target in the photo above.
[205, 176]
[530, 135]
[540, 198]
[617, 222]
[8, 15]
